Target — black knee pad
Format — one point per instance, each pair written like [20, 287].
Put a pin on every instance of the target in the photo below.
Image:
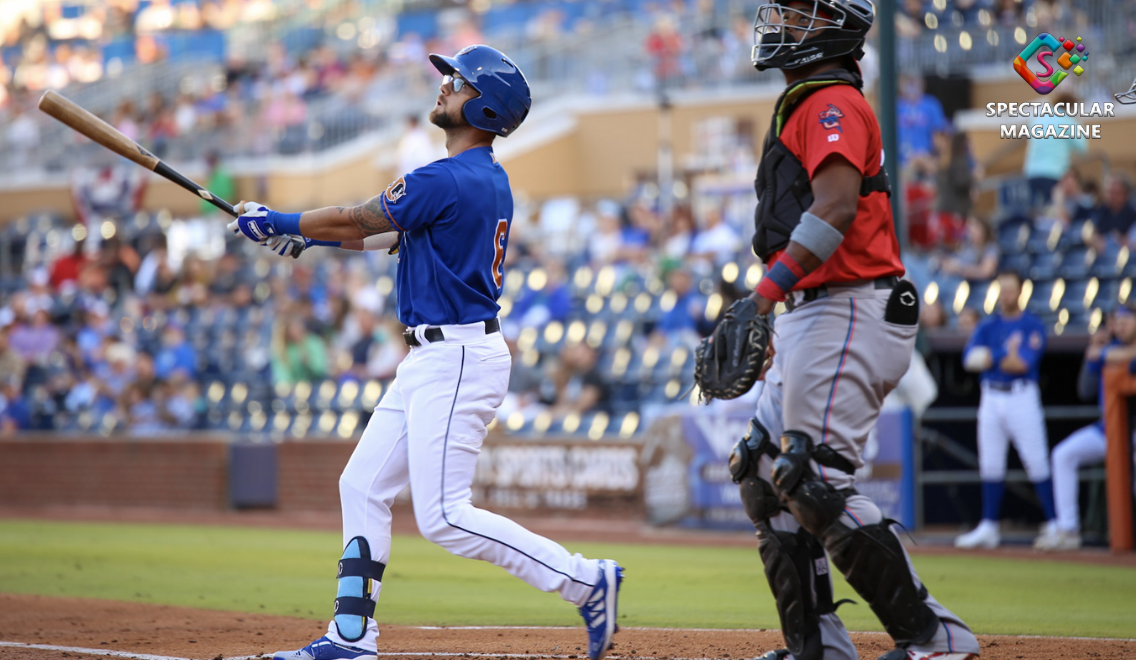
[814, 503]
[759, 500]
[790, 562]
[757, 494]
[873, 562]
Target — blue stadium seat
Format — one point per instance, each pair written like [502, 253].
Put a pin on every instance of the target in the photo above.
[1014, 234]
[1076, 263]
[1076, 234]
[1106, 298]
[1045, 265]
[1110, 262]
[1040, 302]
[1080, 295]
[976, 299]
[1044, 239]
[1018, 263]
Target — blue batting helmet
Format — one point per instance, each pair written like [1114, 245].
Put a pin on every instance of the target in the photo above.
[505, 99]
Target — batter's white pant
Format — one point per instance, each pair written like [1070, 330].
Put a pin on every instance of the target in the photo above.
[427, 431]
[1015, 416]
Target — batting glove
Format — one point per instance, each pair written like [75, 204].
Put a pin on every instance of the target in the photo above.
[256, 222]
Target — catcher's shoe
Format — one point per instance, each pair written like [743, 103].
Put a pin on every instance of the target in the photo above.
[325, 649]
[779, 654]
[599, 611]
[907, 654]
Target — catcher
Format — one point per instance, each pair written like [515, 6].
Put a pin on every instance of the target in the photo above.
[824, 230]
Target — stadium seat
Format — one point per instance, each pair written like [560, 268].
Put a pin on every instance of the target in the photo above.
[1106, 298]
[1077, 234]
[1079, 296]
[1018, 263]
[1013, 235]
[1076, 263]
[1110, 262]
[1042, 300]
[1045, 265]
[1044, 240]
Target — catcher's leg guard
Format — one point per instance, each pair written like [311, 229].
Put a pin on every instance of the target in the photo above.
[870, 557]
[353, 604]
[790, 566]
[789, 559]
[814, 503]
[873, 562]
[757, 494]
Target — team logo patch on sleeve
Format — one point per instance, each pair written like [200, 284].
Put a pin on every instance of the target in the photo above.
[830, 118]
[396, 190]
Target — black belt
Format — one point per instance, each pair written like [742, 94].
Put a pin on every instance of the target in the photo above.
[818, 292]
[434, 333]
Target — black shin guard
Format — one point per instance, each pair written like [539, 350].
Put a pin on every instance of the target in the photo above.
[872, 561]
[790, 566]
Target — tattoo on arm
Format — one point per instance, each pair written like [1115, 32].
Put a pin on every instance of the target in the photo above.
[369, 217]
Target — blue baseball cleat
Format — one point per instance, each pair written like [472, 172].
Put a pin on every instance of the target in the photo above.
[600, 611]
[325, 649]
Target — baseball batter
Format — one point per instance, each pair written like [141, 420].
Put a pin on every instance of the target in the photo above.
[1006, 348]
[824, 229]
[453, 218]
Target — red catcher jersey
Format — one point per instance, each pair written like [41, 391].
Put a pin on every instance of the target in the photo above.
[838, 120]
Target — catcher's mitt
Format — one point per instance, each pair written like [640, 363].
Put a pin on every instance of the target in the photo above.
[730, 360]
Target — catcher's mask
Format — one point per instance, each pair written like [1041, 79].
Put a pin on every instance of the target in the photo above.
[789, 34]
[1129, 97]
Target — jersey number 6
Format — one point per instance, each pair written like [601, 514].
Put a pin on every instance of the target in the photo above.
[499, 250]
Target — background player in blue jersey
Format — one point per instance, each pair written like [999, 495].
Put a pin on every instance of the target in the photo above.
[1007, 348]
[453, 218]
[1086, 446]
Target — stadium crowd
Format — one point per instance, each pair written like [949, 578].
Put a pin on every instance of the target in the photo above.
[116, 331]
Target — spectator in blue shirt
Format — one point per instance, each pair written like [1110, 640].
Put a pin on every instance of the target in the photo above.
[1048, 159]
[689, 305]
[14, 412]
[550, 301]
[176, 354]
[920, 118]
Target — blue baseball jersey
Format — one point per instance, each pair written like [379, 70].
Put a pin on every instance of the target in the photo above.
[1096, 369]
[1001, 334]
[454, 215]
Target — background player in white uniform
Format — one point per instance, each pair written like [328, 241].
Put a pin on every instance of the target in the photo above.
[1007, 349]
[453, 219]
[1087, 446]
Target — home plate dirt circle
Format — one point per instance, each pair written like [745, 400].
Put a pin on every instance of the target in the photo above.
[47, 628]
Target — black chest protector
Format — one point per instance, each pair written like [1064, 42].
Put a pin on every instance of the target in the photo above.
[783, 188]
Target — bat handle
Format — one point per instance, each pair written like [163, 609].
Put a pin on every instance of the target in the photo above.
[177, 177]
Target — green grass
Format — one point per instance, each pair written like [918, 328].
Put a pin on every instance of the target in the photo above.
[291, 573]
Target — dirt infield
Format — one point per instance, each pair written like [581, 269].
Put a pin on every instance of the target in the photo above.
[95, 629]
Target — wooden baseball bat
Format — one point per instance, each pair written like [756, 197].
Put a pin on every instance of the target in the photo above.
[84, 122]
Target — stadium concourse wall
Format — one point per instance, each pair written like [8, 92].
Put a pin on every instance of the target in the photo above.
[673, 474]
[220, 472]
[584, 146]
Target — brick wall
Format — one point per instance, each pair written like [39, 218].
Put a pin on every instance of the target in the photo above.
[116, 472]
[309, 474]
[189, 473]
